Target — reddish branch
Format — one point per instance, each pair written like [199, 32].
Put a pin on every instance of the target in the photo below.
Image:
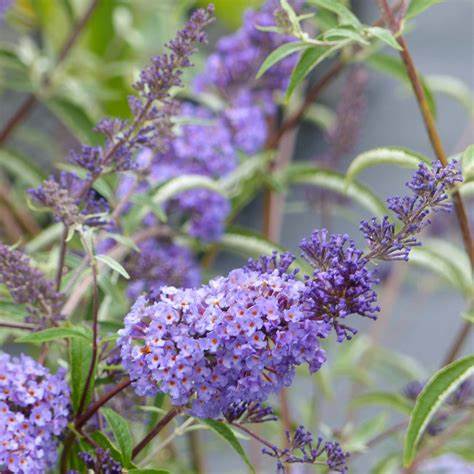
[29, 103]
[438, 149]
[172, 413]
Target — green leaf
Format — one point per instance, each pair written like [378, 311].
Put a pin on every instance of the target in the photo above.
[389, 464]
[20, 167]
[280, 53]
[122, 434]
[45, 237]
[381, 156]
[387, 399]
[340, 33]
[346, 17]
[384, 35]
[52, 334]
[321, 116]
[304, 173]
[446, 260]
[454, 88]
[148, 471]
[9, 309]
[104, 442]
[394, 67]
[54, 23]
[469, 316]
[181, 184]
[226, 433]
[80, 356]
[467, 163]
[365, 432]
[76, 119]
[307, 62]
[249, 244]
[124, 240]
[435, 392]
[418, 6]
[113, 264]
[409, 367]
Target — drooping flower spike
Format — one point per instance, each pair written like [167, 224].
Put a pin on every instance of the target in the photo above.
[29, 286]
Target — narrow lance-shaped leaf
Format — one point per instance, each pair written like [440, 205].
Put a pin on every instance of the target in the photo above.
[418, 6]
[76, 119]
[113, 264]
[384, 35]
[447, 261]
[52, 334]
[452, 87]
[148, 471]
[307, 62]
[249, 244]
[279, 54]
[122, 434]
[385, 156]
[386, 399]
[227, 434]
[20, 168]
[303, 173]
[435, 392]
[175, 186]
[467, 163]
[346, 17]
[80, 355]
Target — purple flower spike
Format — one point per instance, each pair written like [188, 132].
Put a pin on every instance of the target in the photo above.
[341, 284]
[429, 188]
[28, 285]
[300, 449]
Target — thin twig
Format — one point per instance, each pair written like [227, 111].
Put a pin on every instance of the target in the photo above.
[172, 413]
[118, 252]
[95, 335]
[196, 452]
[94, 407]
[294, 120]
[253, 435]
[29, 103]
[438, 149]
[166, 442]
[24, 326]
[62, 256]
[458, 343]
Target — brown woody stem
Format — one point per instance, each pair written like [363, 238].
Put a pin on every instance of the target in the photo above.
[172, 413]
[438, 149]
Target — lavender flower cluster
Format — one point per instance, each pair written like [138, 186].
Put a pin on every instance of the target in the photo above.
[28, 285]
[301, 449]
[34, 411]
[237, 339]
